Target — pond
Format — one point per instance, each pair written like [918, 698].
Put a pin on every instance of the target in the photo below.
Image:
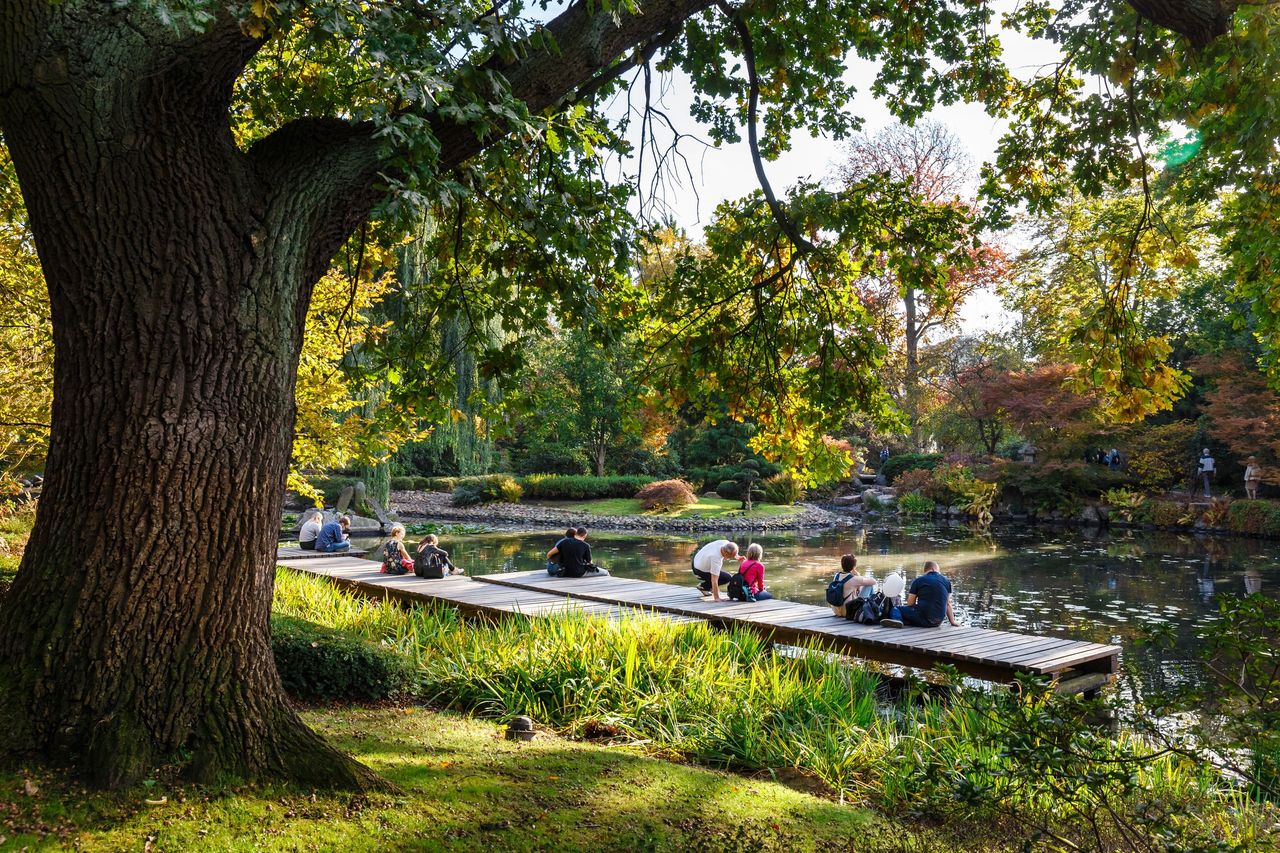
[1087, 585]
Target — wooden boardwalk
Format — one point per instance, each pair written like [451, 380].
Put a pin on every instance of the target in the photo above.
[301, 553]
[462, 592]
[979, 652]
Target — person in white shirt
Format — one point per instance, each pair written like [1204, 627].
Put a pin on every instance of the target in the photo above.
[1206, 469]
[708, 565]
[310, 530]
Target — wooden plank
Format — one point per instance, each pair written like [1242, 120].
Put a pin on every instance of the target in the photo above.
[980, 652]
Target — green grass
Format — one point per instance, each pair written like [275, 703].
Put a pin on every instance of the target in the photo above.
[704, 508]
[15, 528]
[721, 698]
[464, 787]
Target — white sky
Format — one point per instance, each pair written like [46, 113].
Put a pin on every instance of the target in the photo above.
[727, 172]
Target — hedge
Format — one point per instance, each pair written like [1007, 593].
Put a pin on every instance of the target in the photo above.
[1259, 518]
[318, 663]
[423, 484]
[470, 491]
[557, 487]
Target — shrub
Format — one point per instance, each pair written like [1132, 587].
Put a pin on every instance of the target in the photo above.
[1260, 518]
[553, 487]
[729, 489]
[904, 462]
[1160, 456]
[436, 484]
[784, 488]
[331, 487]
[666, 495]
[317, 663]
[553, 459]
[1166, 513]
[915, 480]
[914, 504]
[470, 491]
[1123, 502]
[1217, 513]
[1057, 485]
[404, 484]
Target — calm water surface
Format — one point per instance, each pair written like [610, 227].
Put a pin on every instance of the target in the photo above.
[1101, 587]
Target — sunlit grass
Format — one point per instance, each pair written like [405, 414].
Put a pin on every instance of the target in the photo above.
[719, 697]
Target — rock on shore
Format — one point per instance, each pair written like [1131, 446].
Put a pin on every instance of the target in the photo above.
[438, 505]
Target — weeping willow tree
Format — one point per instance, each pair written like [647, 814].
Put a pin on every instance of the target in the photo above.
[441, 340]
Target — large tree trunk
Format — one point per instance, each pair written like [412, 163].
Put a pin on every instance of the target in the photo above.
[179, 270]
[137, 631]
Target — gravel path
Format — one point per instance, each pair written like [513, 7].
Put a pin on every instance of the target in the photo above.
[437, 505]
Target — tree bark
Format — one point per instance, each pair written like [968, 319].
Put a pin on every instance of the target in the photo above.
[136, 632]
[179, 270]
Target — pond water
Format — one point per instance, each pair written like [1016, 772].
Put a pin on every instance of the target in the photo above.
[1088, 585]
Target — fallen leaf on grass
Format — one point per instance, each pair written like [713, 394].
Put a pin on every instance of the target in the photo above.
[159, 802]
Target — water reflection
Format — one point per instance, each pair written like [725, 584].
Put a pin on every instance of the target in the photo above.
[1102, 587]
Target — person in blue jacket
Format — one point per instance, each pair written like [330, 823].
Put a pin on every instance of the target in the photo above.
[928, 602]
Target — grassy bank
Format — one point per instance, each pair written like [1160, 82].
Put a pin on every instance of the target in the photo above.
[463, 788]
[720, 698]
[704, 508]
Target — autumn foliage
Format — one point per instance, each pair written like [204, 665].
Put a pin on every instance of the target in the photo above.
[666, 495]
[1244, 413]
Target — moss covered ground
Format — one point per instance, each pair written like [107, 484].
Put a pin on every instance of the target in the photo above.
[463, 787]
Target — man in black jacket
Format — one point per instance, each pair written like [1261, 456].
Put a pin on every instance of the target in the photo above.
[574, 555]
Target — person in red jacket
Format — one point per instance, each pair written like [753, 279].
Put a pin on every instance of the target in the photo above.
[752, 571]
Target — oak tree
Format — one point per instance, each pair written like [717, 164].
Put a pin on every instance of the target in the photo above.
[190, 167]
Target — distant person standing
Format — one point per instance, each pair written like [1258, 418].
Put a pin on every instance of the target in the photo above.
[310, 530]
[1113, 460]
[1206, 468]
[928, 602]
[708, 565]
[334, 536]
[884, 456]
[1252, 477]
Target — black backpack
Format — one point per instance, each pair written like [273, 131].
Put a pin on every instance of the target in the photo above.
[867, 611]
[835, 589]
[738, 589]
[430, 564]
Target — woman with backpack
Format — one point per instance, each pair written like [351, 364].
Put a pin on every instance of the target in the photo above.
[395, 557]
[432, 560]
[846, 586]
[752, 571]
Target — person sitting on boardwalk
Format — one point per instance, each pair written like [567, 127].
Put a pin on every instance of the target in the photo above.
[334, 536]
[846, 585]
[752, 572]
[928, 602]
[708, 565]
[554, 567]
[432, 561]
[575, 556]
[310, 529]
[395, 557]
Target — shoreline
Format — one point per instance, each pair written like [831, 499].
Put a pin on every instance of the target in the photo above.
[436, 505]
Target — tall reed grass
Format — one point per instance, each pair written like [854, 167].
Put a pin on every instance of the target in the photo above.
[721, 697]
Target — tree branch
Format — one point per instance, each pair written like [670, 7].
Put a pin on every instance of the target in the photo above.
[753, 103]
